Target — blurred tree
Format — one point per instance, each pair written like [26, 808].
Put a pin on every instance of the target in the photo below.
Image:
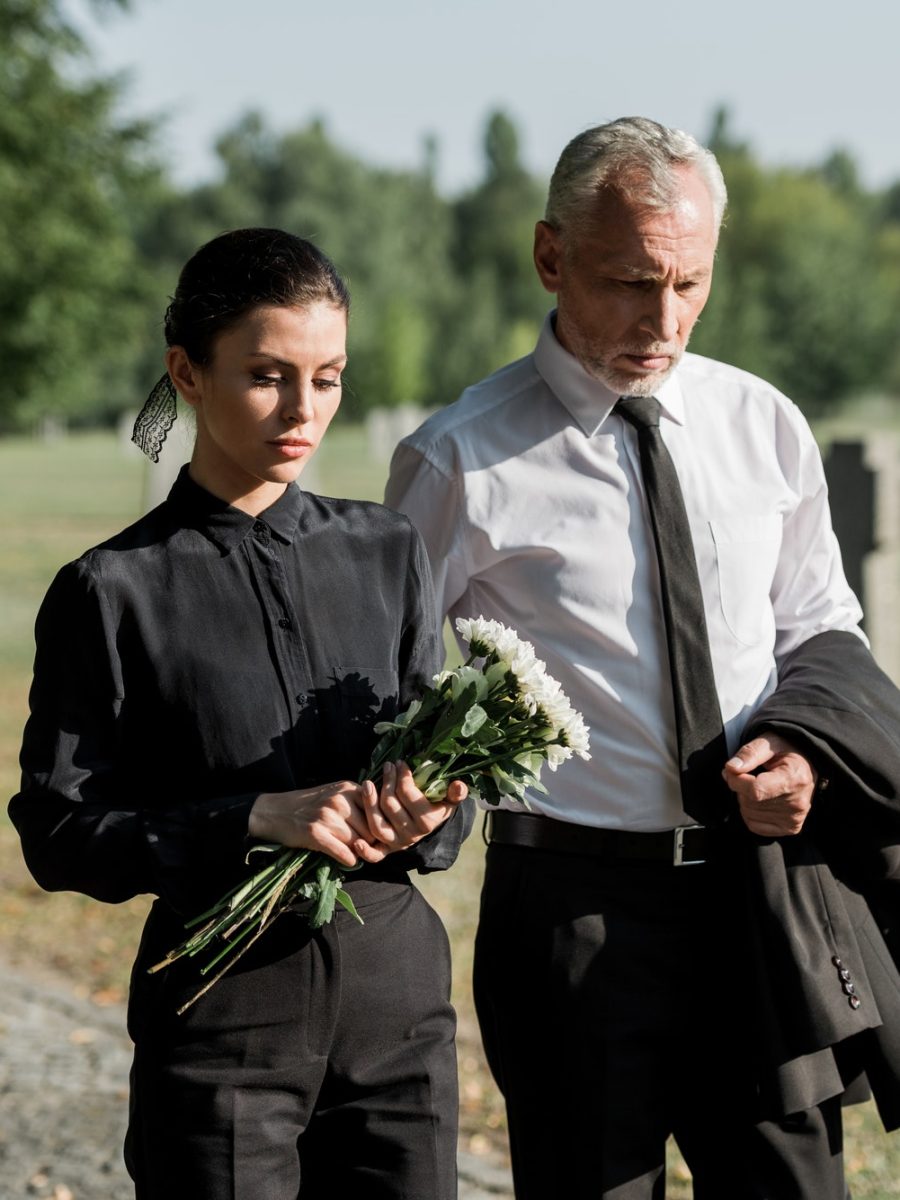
[800, 294]
[71, 284]
[841, 174]
[493, 237]
[387, 231]
[888, 257]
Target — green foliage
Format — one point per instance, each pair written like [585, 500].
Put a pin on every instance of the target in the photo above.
[805, 291]
[444, 290]
[71, 283]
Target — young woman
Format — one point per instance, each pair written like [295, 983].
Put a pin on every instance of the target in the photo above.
[211, 676]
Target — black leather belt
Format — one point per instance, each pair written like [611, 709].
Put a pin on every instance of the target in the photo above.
[688, 845]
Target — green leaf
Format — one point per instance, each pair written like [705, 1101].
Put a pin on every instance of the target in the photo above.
[344, 899]
[497, 673]
[469, 677]
[475, 718]
[506, 783]
[327, 884]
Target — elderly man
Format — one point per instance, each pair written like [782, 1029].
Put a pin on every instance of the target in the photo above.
[657, 524]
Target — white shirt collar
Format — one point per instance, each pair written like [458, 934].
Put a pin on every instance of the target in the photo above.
[588, 401]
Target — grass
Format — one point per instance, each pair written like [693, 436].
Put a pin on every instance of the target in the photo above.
[57, 499]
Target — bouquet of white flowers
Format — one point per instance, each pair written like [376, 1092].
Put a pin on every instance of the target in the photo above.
[492, 723]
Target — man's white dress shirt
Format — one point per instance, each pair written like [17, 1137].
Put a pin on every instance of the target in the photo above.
[529, 494]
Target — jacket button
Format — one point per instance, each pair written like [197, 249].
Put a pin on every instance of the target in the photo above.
[849, 988]
[845, 975]
[853, 1001]
[838, 962]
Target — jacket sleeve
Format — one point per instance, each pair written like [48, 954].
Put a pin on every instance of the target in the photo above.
[834, 701]
[76, 813]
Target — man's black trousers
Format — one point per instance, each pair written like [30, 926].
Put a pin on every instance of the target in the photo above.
[611, 1014]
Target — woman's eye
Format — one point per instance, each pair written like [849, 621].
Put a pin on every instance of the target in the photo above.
[325, 385]
[267, 380]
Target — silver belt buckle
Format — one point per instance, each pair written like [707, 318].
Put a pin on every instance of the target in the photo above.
[679, 857]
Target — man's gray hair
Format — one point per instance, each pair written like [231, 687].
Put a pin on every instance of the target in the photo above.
[637, 157]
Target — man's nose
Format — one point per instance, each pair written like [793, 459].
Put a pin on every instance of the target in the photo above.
[661, 315]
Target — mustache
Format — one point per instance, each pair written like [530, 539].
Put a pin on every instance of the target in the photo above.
[654, 350]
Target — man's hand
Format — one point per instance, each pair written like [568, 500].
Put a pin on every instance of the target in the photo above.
[330, 818]
[775, 802]
[401, 815]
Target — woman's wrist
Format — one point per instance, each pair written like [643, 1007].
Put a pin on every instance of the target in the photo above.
[258, 826]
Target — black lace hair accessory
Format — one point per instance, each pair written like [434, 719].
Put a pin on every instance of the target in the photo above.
[156, 418]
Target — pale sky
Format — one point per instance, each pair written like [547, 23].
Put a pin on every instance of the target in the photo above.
[800, 78]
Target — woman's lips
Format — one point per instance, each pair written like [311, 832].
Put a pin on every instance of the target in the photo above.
[292, 449]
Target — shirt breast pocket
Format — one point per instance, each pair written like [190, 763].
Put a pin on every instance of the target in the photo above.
[747, 549]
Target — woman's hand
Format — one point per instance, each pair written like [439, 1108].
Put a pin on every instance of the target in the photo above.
[400, 814]
[331, 818]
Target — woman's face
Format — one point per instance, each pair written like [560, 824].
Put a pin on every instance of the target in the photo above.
[264, 401]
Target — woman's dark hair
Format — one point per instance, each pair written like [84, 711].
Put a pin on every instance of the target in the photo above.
[238, 271]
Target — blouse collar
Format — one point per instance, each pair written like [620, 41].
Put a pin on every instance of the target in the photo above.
[226, 525]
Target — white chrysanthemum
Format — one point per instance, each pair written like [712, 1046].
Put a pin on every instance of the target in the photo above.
[531, 675]
[538, 692]
[493, 638]
[557, 708]
[557, 755]
[478, 632]
[508, 646]
[577, 735]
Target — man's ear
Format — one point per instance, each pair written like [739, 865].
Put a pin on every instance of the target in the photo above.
[548, 255]
[184, 374]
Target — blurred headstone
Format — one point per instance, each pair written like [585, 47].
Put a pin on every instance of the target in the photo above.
[51, 428]
[851, 486]
[124, 428]
[864, 487]
[386, 426]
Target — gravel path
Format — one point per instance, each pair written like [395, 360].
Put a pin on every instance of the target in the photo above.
[63, 1098]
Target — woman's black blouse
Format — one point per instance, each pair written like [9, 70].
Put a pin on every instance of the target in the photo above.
[202, 657]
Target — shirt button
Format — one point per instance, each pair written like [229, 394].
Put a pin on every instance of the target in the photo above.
[284, 623]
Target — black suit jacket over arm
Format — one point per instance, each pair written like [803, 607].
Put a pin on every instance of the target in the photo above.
[820, 910]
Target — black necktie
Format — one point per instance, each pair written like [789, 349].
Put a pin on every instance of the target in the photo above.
[702, 751]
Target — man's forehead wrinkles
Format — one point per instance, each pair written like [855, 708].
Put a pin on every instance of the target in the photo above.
[652, 268]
